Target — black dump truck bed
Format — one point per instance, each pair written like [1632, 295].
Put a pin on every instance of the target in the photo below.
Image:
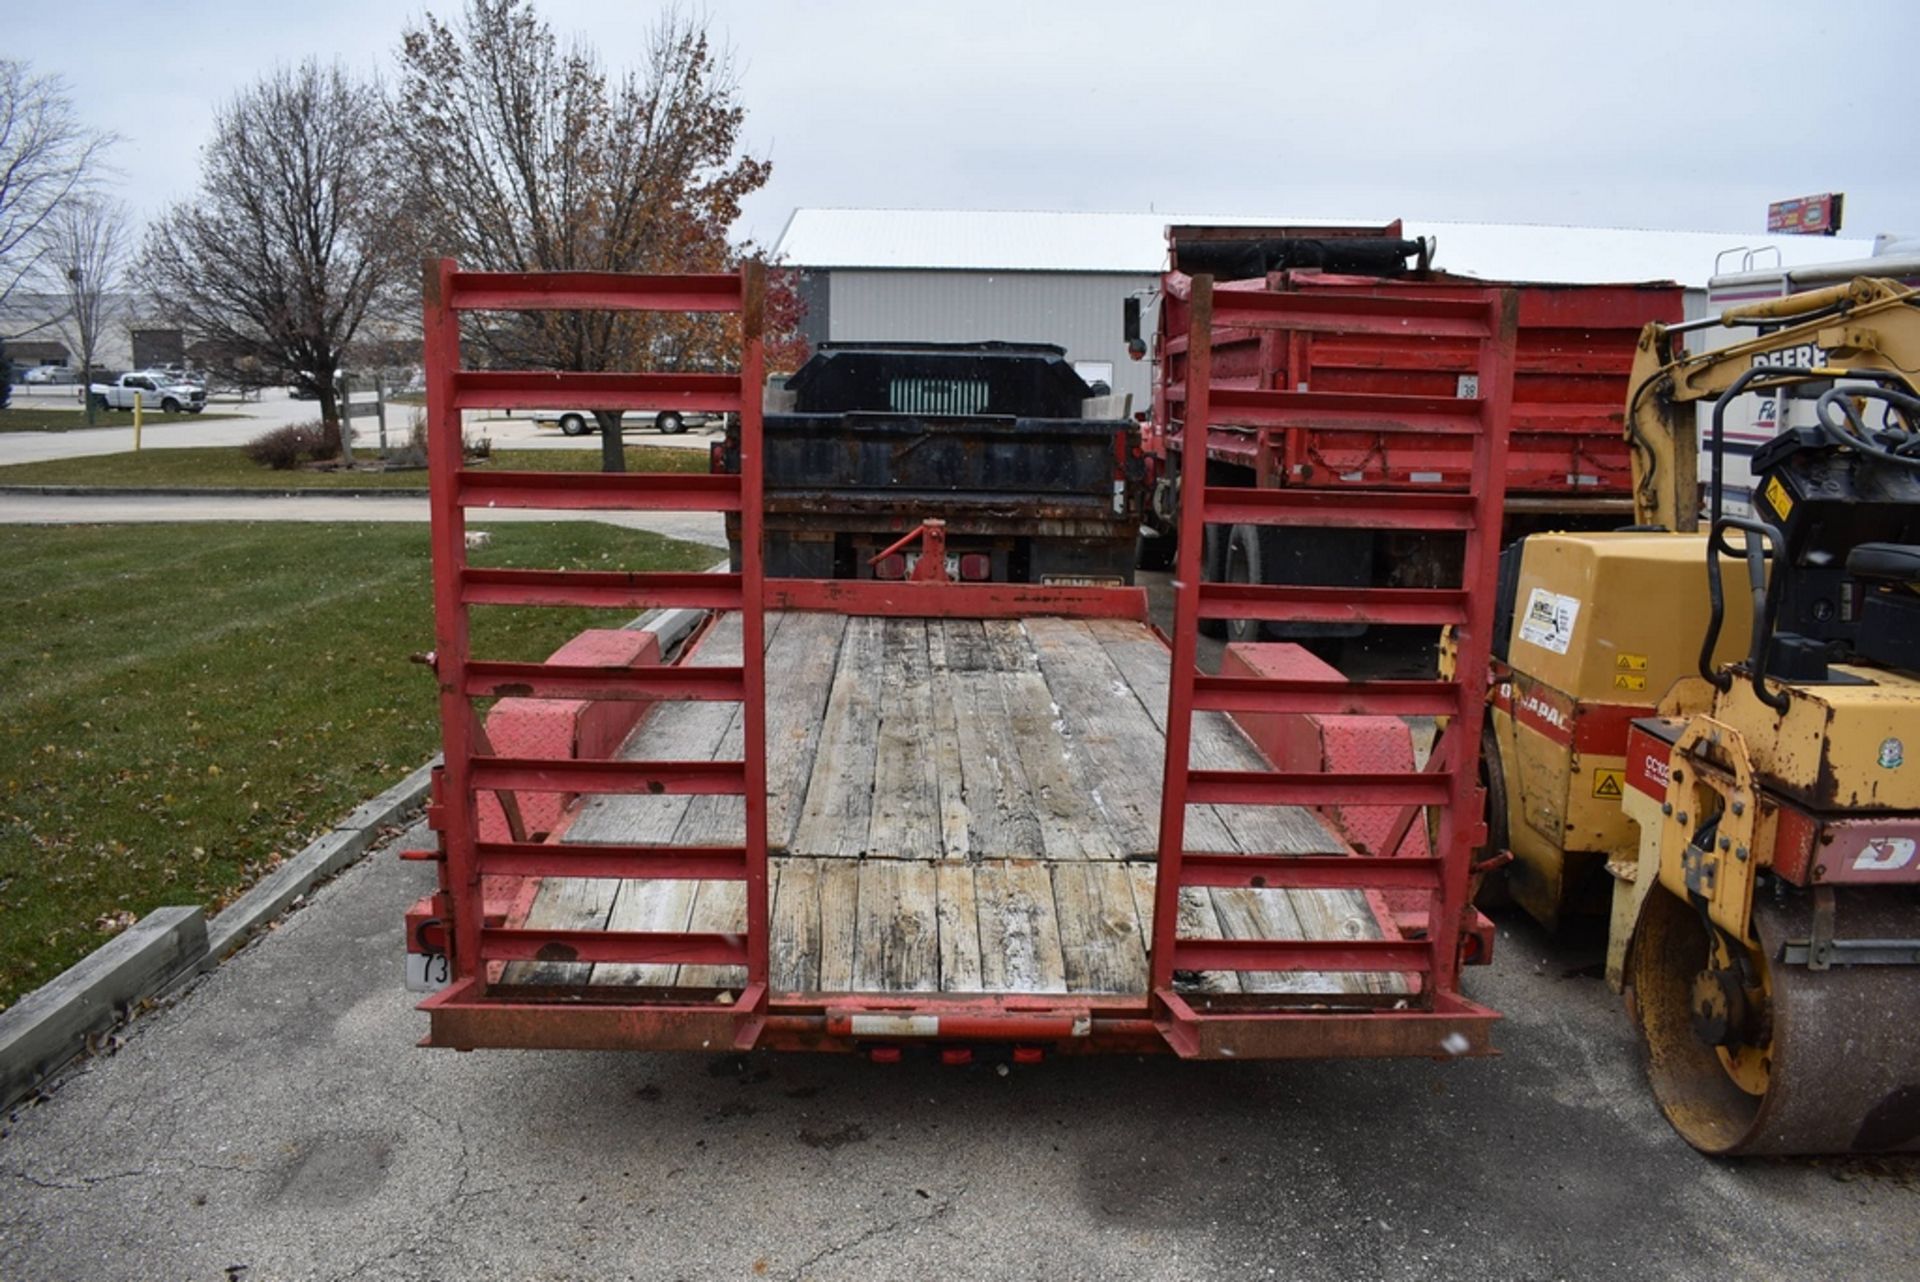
[1036, 478]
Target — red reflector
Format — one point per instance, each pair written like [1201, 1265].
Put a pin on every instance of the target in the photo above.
[891, 567]
[956, 1055]
[885, 1054]
[976, 565]
[1028, 1054]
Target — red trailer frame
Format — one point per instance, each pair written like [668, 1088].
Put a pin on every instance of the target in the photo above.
[468, 917]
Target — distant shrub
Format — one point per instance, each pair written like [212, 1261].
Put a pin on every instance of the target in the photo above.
[285, 448]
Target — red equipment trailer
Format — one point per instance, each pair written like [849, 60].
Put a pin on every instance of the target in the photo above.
[1568, 465]
[1005, 819]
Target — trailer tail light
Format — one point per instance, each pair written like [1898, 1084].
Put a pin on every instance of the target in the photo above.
[955, 1056]
[976, 566]
[884, 1054]
[1028, 1054]
[891, 567]
[717, 457]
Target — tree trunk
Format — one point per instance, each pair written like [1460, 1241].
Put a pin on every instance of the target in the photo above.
[613, 447]
[329, 393]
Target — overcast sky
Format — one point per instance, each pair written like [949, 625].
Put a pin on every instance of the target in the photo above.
[1673, 115]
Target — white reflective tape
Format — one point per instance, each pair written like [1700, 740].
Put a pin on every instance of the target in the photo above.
[896, 1025]
[1424, 478]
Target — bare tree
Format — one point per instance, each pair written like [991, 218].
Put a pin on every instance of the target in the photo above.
[293, 243]
[46, 157]
[87, 257]
[523, 155]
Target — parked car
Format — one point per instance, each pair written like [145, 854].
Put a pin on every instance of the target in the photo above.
[48, 375]
[157, 391]
[667, 422]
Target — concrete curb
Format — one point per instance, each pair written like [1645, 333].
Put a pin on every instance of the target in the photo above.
[201, 492]
[49, 1026]
[322, 857]
[53, 1023]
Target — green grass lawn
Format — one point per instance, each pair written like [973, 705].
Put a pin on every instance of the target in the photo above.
[28, 417]
[182, 706]
[226, 468]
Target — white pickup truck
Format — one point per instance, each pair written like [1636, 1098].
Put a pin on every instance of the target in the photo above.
[667, 422]
[157, 391]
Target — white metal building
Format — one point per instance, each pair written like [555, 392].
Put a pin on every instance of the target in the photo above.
[964, 275]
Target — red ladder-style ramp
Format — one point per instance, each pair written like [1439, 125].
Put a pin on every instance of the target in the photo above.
[1433, 1018]
[461, 1013]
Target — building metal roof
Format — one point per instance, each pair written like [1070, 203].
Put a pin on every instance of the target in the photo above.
[1064, 241]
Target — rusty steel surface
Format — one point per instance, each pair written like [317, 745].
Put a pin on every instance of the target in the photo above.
[1454, 1028]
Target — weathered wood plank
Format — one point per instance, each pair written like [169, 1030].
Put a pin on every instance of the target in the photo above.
[1100, 944]
[898, 933]
[949, 769]
[1124, 747]
[839, 890]
[1197, 921]
[718, 907]
[652, 906]
[965, 644]
[1344, 914]
[1268, 914]
[1019, 933]
[1007, 645]
[1218, 744]
[1002, 818]
[959, 918]
[794, 941]
[800, 663]
[564, 903]
[1058, 772]
[1142, 663]
[670, 731]
[839, 806]
[905, 820]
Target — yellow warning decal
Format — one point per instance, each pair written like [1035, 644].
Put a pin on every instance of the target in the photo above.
[1629, 681]
[1630, 662]
[1777, 496]
[1607, 784]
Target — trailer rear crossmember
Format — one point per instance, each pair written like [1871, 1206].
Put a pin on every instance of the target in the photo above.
[995, 815]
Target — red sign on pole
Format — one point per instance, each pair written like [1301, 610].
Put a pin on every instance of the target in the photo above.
[1807, 215]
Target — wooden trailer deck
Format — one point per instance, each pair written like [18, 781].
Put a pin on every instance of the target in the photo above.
[957, 806]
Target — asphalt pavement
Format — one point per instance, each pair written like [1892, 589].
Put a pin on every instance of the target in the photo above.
[278, 1122]
[275, 408]
[136, 508]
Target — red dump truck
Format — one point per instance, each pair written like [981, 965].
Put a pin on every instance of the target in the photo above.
[1568, 467]
[976, 819]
